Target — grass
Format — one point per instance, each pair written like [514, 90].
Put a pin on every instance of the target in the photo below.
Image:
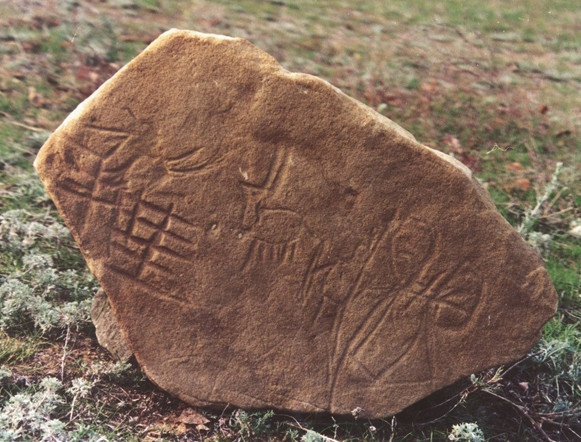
[17, 350]
[493, 84]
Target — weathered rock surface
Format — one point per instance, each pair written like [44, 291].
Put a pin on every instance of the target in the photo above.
[107, 329]
[267, 241]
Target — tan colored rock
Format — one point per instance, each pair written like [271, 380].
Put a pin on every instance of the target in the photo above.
[107, 329]
[267, 241]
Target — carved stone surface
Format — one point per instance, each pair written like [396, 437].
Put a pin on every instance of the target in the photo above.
[107, 329]
[267, 241]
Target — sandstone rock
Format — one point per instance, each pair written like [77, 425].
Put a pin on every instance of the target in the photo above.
[107, 329]
[267, 241]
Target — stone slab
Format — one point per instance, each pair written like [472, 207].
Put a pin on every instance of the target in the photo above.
[267, 241]
[107, 328]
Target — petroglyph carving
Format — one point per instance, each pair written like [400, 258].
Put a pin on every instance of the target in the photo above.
[275, 230]
[266, 241]
[413, 289]
[149, 241]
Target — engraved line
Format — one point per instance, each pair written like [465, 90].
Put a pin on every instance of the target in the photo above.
[374, 319]
[333, 301]
[127, 250]
[147, 222]
[178, 237]
[148, 288]
[110, 204]
[155, 207]
[275, 167]
[338, 359]
[270, 253]
[430, 382]
[137, 239]
[153, 239]
[252, 185]
[450, 304]
[320, 308]
[130, 112]
[94, 186]
[86, 149]
[184, 155]
[112, 179]
[365, 368]
[249, 255]
[183, 220]
[112, 130]
[291, 250]
[402, 383]
[281, 252]
[124, 272]
[280, 209]
[68, 185]
[372, 250]
[194, 168]
[215, 385]
[170, 252]
[268, 350]
[121, 167]
[133, 214]
[355, 288]
[356, 341]
[325, 270]
[430, 337]
[307, 276]
[359, 342]
[86, 191]
[158, 266]
[278, 164]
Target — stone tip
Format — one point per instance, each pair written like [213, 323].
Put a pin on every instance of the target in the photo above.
[174, 32]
